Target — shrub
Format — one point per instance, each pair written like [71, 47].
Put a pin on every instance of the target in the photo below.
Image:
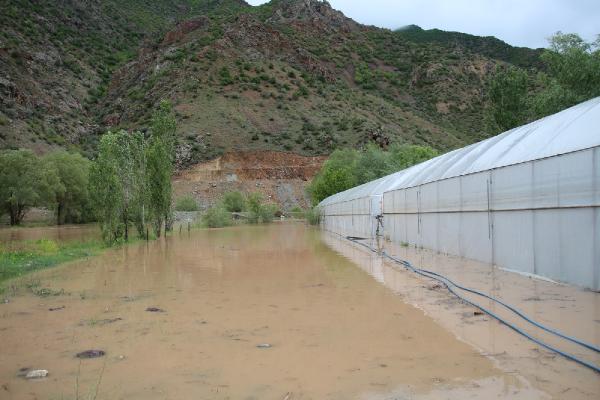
[225, 76]
[186, 203]
[257, 211]
[216, 217]
[234, 202]
[313, 216]
[268, 212]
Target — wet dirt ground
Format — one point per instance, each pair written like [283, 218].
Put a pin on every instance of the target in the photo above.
[257, 312]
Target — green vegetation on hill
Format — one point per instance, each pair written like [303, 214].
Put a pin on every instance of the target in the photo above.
[288, 75]
[489, 46]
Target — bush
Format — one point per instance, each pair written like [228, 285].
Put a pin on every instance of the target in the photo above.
[257, 211]
[216, 217]
[186, 203]
[268, 212]
[225, 76]
[234, 202]
[297, 212]
[313, 216]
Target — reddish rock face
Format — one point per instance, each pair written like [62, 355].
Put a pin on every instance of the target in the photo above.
[184, 28]
[281, 177]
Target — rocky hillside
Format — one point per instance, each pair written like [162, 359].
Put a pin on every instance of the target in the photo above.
[291, 75]
[281, 177]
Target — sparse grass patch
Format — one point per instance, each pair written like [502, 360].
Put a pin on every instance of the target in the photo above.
[35, 255]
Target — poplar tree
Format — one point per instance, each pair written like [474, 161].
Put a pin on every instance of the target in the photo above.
[160, 163]
[130, 181]
[116, 183]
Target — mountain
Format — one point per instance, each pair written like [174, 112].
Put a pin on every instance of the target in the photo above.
[290, 75]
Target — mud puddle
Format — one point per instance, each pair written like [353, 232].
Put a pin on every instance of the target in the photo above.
[266, 312]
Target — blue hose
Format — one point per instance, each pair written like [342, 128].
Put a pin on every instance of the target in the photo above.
[519, 313]
[448, 284]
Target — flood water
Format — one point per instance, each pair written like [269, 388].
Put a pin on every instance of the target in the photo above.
[62, 233]
[250, 312]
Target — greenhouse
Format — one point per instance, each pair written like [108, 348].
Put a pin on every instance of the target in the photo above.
[525, 200]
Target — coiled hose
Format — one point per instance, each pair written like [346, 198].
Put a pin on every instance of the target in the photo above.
[450, 285]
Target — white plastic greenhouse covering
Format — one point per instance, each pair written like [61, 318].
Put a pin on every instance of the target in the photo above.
[526, 200]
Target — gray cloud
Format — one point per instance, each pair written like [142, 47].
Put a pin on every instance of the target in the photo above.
[518, 22]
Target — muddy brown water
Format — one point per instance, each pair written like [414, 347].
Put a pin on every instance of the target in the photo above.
[63, 233]
[334, 331]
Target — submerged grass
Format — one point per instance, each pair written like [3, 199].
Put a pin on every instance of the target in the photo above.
[33, 255]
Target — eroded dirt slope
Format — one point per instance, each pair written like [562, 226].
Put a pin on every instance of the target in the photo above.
[281, 177]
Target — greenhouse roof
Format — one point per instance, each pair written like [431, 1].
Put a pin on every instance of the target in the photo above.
[573, 129]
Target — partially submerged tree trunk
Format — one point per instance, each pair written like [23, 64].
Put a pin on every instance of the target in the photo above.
[157, 227]
[59, 214]
[169, 222]
[13, 217]
[126, 222]
[17, 213]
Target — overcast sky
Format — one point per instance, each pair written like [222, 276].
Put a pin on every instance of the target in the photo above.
[517, 22]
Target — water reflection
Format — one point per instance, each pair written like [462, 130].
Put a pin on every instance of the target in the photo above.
[564, 307]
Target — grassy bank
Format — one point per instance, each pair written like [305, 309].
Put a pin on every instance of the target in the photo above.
[33, 255]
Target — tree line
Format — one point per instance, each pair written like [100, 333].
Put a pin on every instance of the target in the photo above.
[347, 168]
[128, 184]
[571, 76]
[58, 181]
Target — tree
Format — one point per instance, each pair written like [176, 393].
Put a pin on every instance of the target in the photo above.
[160, 161]
[159, 184]
[24, 183]
[571, 76]
[164, 125]
[130, 181]
[70, 197]
[402, 156]
[573, 73]
[347, 168]
[117, 183]
[336, 175]
[371, 164]
[507, 91]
